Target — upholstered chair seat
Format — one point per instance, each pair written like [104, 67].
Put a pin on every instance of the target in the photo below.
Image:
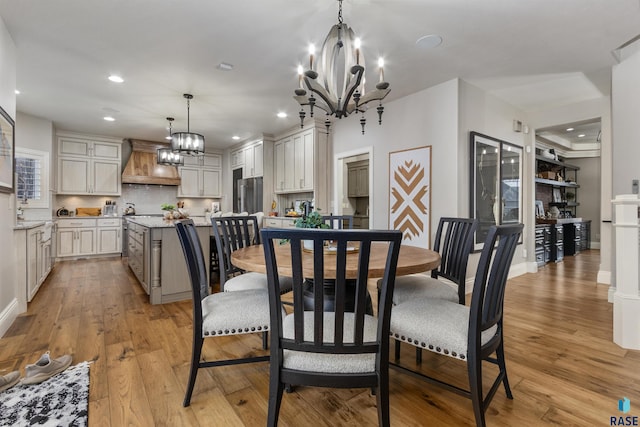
[328, 362]
[435, 325]
[420, 285]
[226, 313]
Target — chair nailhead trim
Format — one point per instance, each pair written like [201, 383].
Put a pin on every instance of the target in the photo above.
[429, 346]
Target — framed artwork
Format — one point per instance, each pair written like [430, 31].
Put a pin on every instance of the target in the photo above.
[496, 184]
[410, 195]
[7, 148]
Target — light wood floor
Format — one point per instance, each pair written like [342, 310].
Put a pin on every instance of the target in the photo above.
[563, 367]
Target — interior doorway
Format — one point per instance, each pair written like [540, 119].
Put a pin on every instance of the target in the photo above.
[568, 183]
[353, 186]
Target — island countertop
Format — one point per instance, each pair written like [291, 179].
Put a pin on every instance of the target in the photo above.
[159, 222]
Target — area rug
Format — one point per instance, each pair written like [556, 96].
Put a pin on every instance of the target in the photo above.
[62, 400]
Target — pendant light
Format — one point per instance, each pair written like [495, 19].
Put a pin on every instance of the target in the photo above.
[187, 143]
[168, 157]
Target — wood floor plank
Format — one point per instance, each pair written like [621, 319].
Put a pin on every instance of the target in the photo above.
[563, 367]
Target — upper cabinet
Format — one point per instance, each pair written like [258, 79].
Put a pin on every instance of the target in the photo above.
[201, 176]
[88, 165]
[358, 179]
[294, 163]
[250, 158]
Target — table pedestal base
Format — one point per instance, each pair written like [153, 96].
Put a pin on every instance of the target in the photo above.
[329, 296]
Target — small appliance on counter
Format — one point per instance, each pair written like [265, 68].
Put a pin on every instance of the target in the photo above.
[62, 212]
[130, 209]
[109, 208]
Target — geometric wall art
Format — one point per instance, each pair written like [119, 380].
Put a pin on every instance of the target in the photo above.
[410, 195]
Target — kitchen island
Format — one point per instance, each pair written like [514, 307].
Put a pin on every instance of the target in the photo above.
[156, 258]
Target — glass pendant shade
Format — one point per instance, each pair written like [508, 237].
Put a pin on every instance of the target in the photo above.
[188, 143]
[167, 157]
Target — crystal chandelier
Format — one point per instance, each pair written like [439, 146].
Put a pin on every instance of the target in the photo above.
[339, 92]
[166, 156]
[187, 142]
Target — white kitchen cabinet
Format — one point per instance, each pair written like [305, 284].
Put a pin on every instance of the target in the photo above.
[294, 162]
[202, 179]
[76, 237]
[109, 233]
[253, 161]
[34, 261]
[275, 222]
[88, 167]
[237, 158]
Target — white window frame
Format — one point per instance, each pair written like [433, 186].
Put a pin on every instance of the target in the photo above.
[43, 157]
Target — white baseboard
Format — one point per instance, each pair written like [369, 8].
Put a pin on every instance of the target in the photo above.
[8, 316]
[604, 277]
[594, 245]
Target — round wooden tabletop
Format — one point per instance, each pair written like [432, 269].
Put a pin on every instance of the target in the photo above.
[410, 260]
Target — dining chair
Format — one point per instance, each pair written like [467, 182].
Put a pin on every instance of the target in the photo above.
[454, 242]
[338, 221]
[330, 348]
[219, 314]
[468, 333]
[232, 233]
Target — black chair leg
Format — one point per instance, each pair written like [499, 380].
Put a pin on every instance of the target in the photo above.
[265, 340]
[418, 355]
[275, 398]
[503, 368]
[382, 398]
[474, 367]
[397, 350]
[195, 362]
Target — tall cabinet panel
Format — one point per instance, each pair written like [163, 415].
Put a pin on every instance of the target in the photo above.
[88, 165]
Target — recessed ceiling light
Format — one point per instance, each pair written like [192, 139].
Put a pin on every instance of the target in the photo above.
[582, 135]
[109, 119]
[236, 137]
[224, 66]
[282, 114]
[17, 92]
[116, 79]
[429, 41]
[569, 129]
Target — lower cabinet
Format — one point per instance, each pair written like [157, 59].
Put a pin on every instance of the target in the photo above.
[577, 237]
[275, 222]
[36, 262]
[88, 236]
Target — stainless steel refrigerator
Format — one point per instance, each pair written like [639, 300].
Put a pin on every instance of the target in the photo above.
[249, 197]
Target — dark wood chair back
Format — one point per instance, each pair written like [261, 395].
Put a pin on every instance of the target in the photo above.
[454, 242]
[334, 331]
[230, 234]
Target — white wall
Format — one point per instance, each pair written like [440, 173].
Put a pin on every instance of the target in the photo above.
[429, 117]
[626, 95]
[486, 114]
[35, 133]
[8, 302]
[441, 116]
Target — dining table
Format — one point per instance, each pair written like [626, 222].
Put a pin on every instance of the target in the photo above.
[411, 260]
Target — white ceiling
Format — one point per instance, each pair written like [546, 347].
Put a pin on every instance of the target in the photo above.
[534, 54]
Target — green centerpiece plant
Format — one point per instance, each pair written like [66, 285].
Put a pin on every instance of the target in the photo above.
[313, 220]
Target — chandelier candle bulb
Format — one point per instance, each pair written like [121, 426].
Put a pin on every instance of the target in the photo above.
[357, 45]
[381, 65]
[312, 51]
[300, 74]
